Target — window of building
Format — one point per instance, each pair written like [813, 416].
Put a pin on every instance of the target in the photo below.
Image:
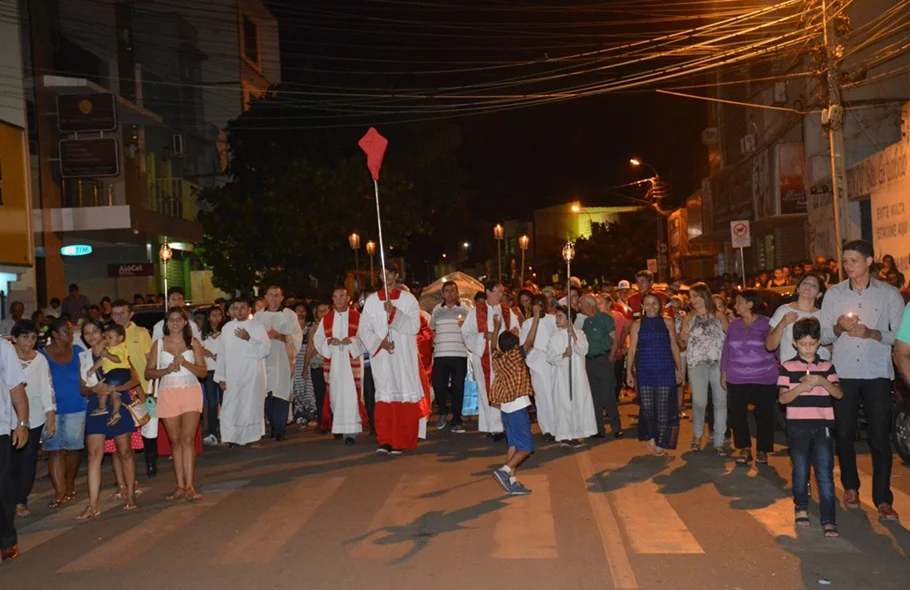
[250, 39]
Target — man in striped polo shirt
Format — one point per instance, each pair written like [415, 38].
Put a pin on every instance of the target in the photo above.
[450, 357]
[808, 386]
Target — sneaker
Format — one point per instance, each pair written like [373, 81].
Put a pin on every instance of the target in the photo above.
[395, 452]
[384, 450]
[576, 444]
[502, 478]
[886, 512]
[210, 440]
[518, 489]
[458, 428]
[442, 422]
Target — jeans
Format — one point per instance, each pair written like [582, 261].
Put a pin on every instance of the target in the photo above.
[812, 445]
[603, 391]
[446, 368]
[765, 399]
[25, 464]
[369, 395]
[276, 411]
[8, 536]
[318, 378]
[876, 396]
[212, 401]
[701, 377]
[619, 374]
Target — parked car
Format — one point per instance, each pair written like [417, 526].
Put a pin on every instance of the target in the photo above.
[900, 427]
[147, 316]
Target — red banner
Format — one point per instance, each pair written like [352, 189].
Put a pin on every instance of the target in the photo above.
[791, 160]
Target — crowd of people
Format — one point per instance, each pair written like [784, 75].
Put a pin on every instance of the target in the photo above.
[79, 378]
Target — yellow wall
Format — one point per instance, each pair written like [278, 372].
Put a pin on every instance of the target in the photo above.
[16, 212]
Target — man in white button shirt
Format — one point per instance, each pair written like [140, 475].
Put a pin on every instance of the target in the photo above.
[12, 395]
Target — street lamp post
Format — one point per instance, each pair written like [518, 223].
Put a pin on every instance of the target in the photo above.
[661, 242]
[523, 245]
[354, 241]
[165, 254]
[371, 249]
[568, 253]
[498, 233]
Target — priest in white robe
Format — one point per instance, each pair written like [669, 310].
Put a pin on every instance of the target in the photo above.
[336, 340]
[541, 370]
[285, 337]
[240, 370]
[574, 406]
[479, 334]
[388, 332]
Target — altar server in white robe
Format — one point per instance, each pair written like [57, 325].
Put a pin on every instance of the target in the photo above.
[541, 369]
[388, 332]
[285, 338]
[574, 407]
[243, 347]
[336, 340]
[479, 334]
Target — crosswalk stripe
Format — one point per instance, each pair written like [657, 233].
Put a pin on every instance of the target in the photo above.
[151, 531]
[614, 549]
[388, 537]
[525, 528]
[650, 522]
[274, 527]
[775, 513]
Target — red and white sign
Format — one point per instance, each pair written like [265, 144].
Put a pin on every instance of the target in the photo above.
[740, 234]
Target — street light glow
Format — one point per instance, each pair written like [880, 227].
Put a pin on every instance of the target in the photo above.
[635, 162]
[466, 245]
[576, 209]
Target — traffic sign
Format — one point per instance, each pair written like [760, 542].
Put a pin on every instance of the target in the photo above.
[740, 233]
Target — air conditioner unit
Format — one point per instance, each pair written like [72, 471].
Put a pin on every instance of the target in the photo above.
[709, 136]
[747, 144]
[178, 145]
[780, 93]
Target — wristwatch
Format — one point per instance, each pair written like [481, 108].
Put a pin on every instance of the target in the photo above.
[23, 423]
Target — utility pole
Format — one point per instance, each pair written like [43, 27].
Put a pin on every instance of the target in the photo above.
[833, 121]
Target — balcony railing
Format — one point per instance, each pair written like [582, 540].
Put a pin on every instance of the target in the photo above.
[87, 193]
[174, 197]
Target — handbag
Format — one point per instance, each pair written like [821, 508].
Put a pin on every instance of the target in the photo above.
[470, 400]
[137, 409]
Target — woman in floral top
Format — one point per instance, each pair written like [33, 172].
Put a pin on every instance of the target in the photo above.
[702, 334]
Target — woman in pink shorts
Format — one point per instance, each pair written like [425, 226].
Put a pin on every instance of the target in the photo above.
[177, 362]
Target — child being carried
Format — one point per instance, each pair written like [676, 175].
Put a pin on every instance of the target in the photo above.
[115, 368]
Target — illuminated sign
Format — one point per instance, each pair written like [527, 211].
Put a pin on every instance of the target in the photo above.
[76, 250]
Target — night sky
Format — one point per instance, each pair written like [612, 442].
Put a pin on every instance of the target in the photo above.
[516, 160]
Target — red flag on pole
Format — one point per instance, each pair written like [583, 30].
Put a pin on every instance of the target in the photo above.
[373, 146]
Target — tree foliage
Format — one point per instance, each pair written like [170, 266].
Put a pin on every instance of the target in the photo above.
[294, 197]
[617, 250]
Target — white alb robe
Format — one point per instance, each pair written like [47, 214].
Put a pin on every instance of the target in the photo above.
[574, 417]
[279, 366]
[396, 376]
[241, 365]
[542, 371]
[343, 395]
[489, 418]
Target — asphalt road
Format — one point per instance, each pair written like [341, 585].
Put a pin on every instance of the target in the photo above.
[314, 513]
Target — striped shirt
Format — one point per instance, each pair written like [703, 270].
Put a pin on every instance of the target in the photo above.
[814, 407]
[446, 322]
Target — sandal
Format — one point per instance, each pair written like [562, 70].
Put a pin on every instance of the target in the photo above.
[831, 531]
[58, 502]
[176, 495]
[129, 506]
[120, 494]
[802, 518]
[744, 458]
[695, 447]
[88, 514]
[652, 448]
[192, 495]
[761, 458]
[720, 451]
[22, 511]
[71, 496]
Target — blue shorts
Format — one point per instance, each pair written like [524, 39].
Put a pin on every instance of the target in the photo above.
[518, 430]
[70, 435]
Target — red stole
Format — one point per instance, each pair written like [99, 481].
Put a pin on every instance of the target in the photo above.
[328, 325]
[486, 359]
[425, 364]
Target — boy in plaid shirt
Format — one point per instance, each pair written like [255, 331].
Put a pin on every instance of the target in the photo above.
[511, 392]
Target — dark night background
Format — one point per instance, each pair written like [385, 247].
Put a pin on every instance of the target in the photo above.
[515, 160]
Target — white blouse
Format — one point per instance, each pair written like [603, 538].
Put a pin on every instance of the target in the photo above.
[40, 390]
